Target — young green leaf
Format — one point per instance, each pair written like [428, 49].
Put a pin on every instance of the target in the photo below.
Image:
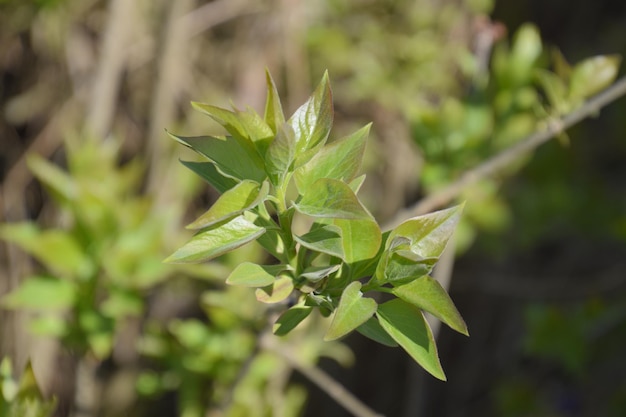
[276, 292]
[250, 274]
[341, 160]
[280, 155]
[316, 273]
[63, 187]
[331, 198]
[244, 196]
[274, 116]
[208, 172]
[324, 239]
[233, 158]
[217, 240]
[313, 120]
[41, 293]
[353, 311]
[59, 251]
[402, 266]
[290, 319]
[407, 326]
[361, 238]
[429, 233]
[373, 330]
[593, 75]
[428, 295]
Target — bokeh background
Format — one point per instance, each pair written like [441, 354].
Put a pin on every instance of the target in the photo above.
[88, 88]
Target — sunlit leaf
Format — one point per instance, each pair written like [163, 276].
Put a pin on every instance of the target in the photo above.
[406, 325]
[429, 233]
[276, 292]
[242, 197]
[324, 239]
[313, 120]
[341, 160]
[274, 116]
[61, 184]
[361, 238]
[427, 294]
[217, 240]
[353, 311]
[250, 274]
[331, 199]
[316, 273]
[280, 154]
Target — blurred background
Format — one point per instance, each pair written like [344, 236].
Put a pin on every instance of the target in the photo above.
[93, 197]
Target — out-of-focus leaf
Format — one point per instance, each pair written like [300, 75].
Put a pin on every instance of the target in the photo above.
[313, 120]
[353, 311]
[120, 304]
[277, 292]
[407, 326]
[427, 294]
[250, 274]
[341, 160]
[593, 75]
[56, 249]
[42, 293]
[233, 158]
[244, 196]
[331, 198]
[556, 90]
[62, 185]
[290, 319]
[325, 239]
[217, 240]
[373, 330]
[210, 174]
[28, 401]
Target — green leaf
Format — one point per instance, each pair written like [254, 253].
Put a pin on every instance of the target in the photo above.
[593, 75]
[58, 250]
[325, 239]
[244, 196]
[233, 158]
[217, 240]
[212, 175]
[122, 303]
[428, 234]
[41, 293]
[280, 155]
[373, 330]
[407, 326]
[250, 274]
[353, 311]
[277, 292]
[274, 116]
[290, 319]
[427, 294]
[29, 402]
[555, 90]
[313, 120]
[402, 266]
[361, 238]
[341, 160]
[316, 273]
[61, 184]
[329, 198]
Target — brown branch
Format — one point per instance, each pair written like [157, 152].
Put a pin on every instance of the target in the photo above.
[320, 378]
[508, 156]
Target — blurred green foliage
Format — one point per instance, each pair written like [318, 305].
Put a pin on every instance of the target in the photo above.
[22, 397]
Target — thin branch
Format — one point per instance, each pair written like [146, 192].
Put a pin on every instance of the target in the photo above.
[508, 156]
[320, 378]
